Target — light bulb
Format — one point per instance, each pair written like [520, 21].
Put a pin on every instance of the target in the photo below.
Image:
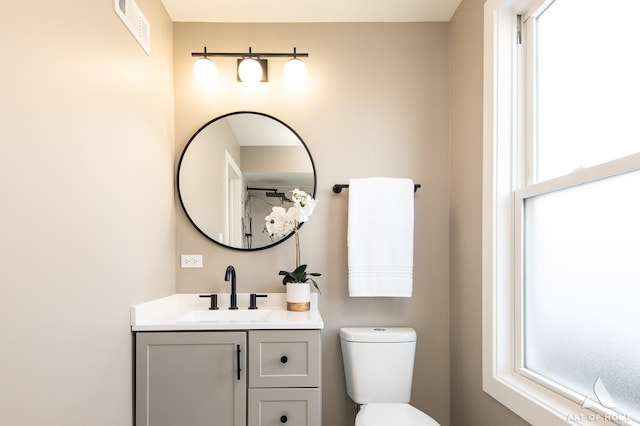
[250, 70]
[295, 71]
[205, 71]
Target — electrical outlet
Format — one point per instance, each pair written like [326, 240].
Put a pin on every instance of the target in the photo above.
[191, 261]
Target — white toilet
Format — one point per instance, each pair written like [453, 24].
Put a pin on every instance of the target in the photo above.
[378, 366]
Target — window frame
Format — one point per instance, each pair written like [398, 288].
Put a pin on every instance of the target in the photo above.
[506, 184]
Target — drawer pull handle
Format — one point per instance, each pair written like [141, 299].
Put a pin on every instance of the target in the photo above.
[283, 419]
[284, 359]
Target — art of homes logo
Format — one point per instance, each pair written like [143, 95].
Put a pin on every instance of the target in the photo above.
[602, 394]
[604, 400]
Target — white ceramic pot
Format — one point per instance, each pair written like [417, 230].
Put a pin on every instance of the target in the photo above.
[298, 297]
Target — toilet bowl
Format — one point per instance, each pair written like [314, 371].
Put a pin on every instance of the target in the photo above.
[378, 365]
[391, 415]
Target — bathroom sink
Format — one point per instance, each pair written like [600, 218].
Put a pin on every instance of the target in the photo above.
[183, 312]
[226, 316]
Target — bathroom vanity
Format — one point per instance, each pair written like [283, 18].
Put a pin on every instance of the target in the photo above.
[195, 366]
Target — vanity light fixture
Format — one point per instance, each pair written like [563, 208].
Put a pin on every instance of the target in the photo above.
[252, 70]
[204, 70]
[252, 67]
[295, 70]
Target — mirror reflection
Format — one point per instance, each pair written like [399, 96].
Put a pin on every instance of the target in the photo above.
[234, 169]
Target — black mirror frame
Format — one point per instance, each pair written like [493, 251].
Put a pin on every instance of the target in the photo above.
[184, 209]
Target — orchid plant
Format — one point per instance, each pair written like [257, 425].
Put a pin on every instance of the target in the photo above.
[282, 221]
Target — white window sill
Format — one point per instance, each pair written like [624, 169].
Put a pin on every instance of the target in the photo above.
[540, 406]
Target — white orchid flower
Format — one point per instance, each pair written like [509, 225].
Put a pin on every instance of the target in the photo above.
[278, 223]
[306, 210]
[281, 222]
[303, 205]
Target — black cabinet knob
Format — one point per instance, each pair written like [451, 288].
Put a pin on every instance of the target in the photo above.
[284, 359]
[283, 419]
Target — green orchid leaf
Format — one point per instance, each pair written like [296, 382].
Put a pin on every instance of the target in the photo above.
[299, 275]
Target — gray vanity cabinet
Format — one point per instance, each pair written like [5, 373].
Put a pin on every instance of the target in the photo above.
[228, 378]
[191, 378]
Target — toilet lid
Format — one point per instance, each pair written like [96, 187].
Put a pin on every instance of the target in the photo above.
[392, 414]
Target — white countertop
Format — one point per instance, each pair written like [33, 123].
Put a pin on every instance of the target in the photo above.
[180, 312]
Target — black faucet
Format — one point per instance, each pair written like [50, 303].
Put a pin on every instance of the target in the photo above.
[230, 274]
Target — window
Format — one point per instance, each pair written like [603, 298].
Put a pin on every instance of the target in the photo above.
[561, 225]
[583, 68]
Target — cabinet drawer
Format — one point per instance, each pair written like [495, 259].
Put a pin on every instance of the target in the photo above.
[284, 407]
[284, 358]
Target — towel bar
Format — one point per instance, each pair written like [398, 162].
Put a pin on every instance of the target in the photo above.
[338, 187]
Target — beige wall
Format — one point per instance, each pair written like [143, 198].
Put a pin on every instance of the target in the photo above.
[376, 104]
[87, 224]
[469, 404]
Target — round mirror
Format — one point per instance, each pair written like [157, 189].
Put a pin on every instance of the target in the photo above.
[234, 169]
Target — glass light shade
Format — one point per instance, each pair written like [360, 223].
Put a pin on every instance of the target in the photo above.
[295, 71]
[205, 71]
[250, 70]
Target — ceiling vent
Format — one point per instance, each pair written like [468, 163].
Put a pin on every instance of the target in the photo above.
[134, 20]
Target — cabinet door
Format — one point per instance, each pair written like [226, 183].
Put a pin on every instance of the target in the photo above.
[284, 407]
[284, 358]
[191, 379]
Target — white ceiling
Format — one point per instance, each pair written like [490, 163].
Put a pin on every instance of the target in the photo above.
[310, 10]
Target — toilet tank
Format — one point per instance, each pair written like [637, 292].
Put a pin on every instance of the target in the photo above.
[378, 363]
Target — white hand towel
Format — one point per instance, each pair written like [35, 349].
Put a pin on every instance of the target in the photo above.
[380, 237]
